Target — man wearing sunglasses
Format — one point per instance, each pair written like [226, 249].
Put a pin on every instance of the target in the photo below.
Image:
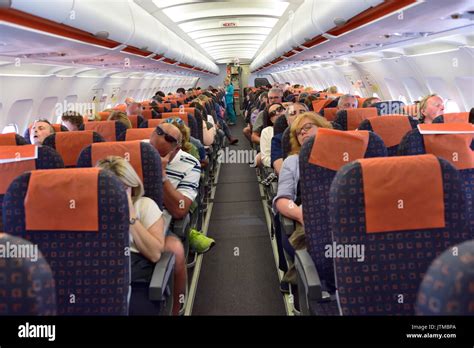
[181, 174]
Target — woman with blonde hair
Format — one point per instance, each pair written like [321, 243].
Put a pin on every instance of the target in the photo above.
[121, 117]
[288, 199]
[147, 236]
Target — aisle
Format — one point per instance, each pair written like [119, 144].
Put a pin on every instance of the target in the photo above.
[238, 276]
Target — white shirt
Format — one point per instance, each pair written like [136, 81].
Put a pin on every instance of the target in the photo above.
[148, 213]
[184, 173]
[266, 146]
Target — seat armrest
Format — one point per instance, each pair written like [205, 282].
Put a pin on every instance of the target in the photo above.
[308, 275]
[287, 225]
[180, 227]
[162, 277]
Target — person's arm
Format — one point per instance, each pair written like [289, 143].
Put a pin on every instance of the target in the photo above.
[266, 145]
[175, 202]
[255, 138]
[288, 208]
[150, 242]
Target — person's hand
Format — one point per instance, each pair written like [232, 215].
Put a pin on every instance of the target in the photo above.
[164, 163]
[131, 208]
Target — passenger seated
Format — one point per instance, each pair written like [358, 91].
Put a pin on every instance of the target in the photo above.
[271, 115]
[347, 101]
[370, 101]
[332, 90]
[287, 202]
[292, 111]
[275, 95]
[147, 233]
[120, 117]
[181, 175]
[431, 106]
[133, 108]
[40, 130]
[72, 120]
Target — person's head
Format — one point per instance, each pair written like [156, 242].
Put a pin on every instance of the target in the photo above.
[273, 112]
[263, 100]
[431, 106]
[72, 120]
[40, 130]
[161, 94]
[120, 117]
[134, 108]
[332, 90]
[370, 101]
[226, 82]
[347, 101]
[293, 111]
[181, 92]
[308, 101]
[166, 138]
[304, 127]
[185, 145]
[275, 95]
[123, 170]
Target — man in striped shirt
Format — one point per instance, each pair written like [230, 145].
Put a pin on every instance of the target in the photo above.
[181, 174]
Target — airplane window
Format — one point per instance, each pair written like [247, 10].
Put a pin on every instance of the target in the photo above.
[451, 106]
[11, 128]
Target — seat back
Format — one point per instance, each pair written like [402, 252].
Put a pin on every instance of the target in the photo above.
[320, 159]
[452, 147]
[192, 124]
[330, 113]
[142, 156]
[109, 130]
[15, 160]
[70, 144]
[137, 133]
[12, 139]
[350, 119]
[285, 143]
[387, 232]
[280, 125]
[455, 117]
[447, 287]
[27, 280]
[319, 105]
[85, 242]
[135, 120]
[391, 128]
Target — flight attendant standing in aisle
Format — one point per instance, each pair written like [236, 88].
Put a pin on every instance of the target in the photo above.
[229, 102]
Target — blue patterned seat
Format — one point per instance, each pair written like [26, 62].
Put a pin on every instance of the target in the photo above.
[315, 182]
[26, 282]
[391, 150]
[386, 281]
[91, 268]
[447, 288]
[350, 119]
[413, 144]
[48, 158]
[149, 161]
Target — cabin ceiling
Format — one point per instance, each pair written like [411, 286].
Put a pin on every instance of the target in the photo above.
[225, 30]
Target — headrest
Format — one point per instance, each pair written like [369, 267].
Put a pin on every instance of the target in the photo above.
[360, 102]
[155, 122]
[129, 150]
[133, 120]
[333, 149]
[451, 141]
[72, 192]
[14, 161]
[139, 133]
[391, 128]
[403, 193]
[8, 139]
[330, 113]
[70, 144]
[356, 116]
[104, 115]
[104, 128]
[184, 117]
[318, 105]
[183, 110]
[456, 117]
[147, 114]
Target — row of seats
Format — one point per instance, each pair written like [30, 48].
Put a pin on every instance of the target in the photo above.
[341, 171]
[78, 243]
